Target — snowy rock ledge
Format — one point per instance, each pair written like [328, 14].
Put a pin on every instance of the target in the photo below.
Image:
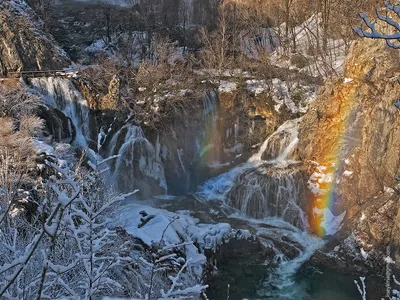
[180, 230]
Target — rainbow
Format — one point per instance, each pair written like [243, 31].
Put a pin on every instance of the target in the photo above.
[331, 161]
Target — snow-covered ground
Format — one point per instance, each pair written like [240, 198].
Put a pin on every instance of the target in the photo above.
[177, 230]
[269, 40]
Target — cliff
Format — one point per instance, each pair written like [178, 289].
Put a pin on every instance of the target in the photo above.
[349, 141]
[25, 45]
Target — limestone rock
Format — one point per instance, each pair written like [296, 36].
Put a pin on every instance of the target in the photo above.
[25, 44]
[353, 130]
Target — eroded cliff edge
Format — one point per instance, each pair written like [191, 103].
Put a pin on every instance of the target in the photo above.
[350, 144]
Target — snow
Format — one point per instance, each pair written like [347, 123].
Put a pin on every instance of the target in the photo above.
[282, 95]
[219, 73]
[63, 198]
[42, 147]
[389, 190]
[389, 260]
[265, 40]
[362, 289]
[364, 254]
[185, 92]
[98, 45]
[227, 86]
[348, 80]
[363, 217]
[256, 87]
[317, 178]
[135, 40]
[13, 8]
[330, 222]
[347, 173]
[178, 228]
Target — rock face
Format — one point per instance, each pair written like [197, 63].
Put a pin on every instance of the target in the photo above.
[351, 137]
[24, 43]
[58, 125]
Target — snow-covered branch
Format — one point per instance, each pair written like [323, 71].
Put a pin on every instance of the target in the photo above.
[392, 39]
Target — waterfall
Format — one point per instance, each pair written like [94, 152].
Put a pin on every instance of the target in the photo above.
[269, 191]
[137, 165]
[210, 104]
[265, 188]
[210, 139]
[60, 93]
[292, 248]
[278, 146]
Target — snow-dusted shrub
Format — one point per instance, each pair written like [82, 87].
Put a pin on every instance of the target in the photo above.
[69, 250]
[31, 125]
[17, 101]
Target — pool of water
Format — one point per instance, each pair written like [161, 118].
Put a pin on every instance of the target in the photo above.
[248, 281]
[279, 277]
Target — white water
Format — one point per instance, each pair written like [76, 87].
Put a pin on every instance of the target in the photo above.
[269, 190]
[280, 284]
[137, 160]
[287, 134]
[60, 93]
[217, 188]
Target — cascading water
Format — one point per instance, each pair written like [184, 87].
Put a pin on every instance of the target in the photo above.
[219, 188]
[280, 145]
[60, 93]
[137, 165]
[210, 139]
[268, 191]
[269, 188]
[280, 283]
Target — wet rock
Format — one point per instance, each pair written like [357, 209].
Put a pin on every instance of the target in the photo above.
[58, 126]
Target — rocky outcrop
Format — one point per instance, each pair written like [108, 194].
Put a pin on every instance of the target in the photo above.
[58, 126]
[24, 43]
[351, 137]
[112, 99]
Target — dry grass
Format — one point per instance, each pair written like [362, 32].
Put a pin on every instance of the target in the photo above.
[18, 125]
[16, 143]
